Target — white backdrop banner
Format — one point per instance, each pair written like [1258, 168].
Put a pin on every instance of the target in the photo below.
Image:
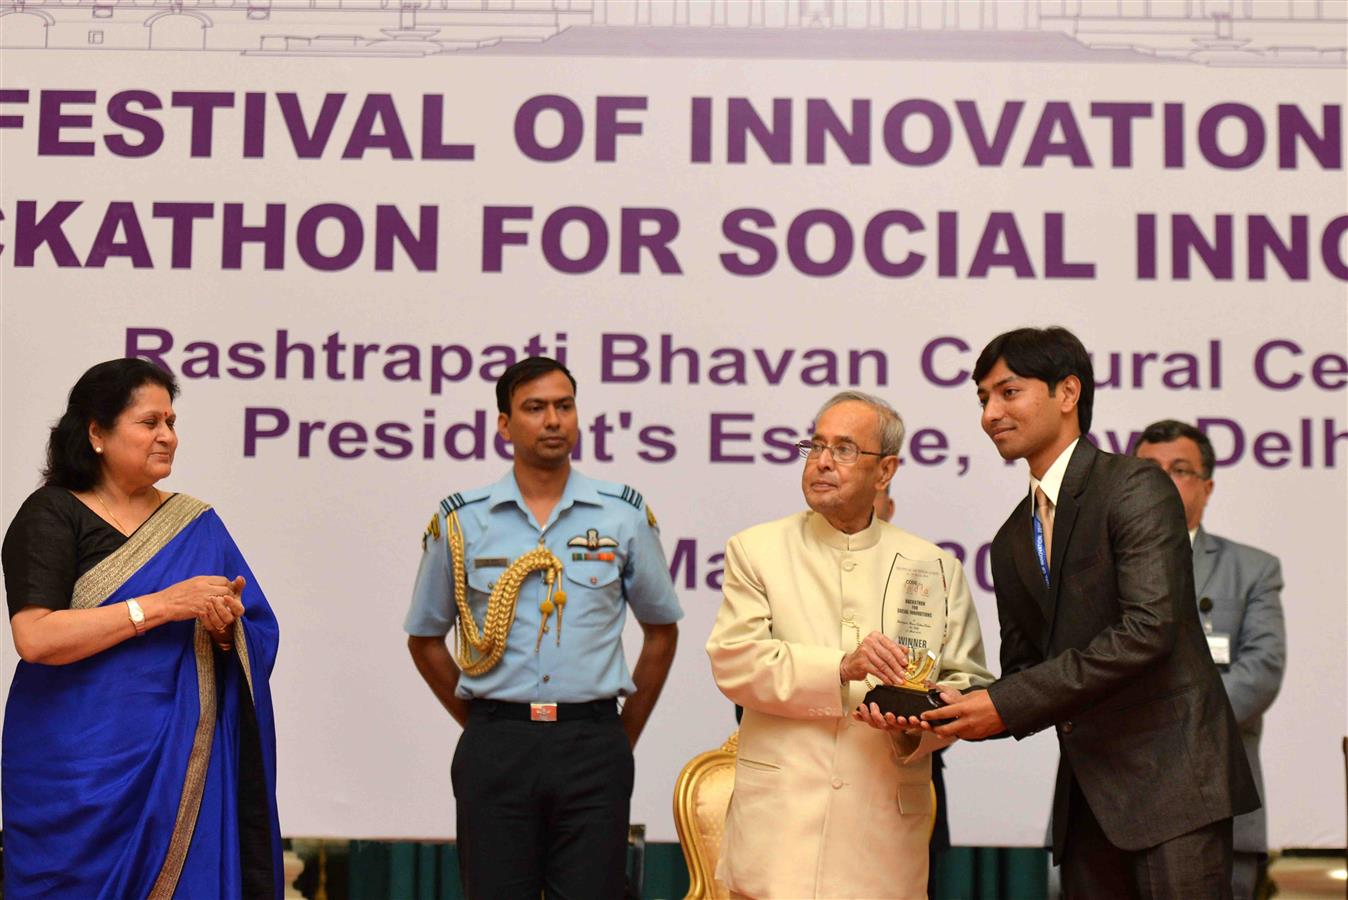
[338, 243]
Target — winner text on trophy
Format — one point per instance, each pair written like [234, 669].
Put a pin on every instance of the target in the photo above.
[913, 613]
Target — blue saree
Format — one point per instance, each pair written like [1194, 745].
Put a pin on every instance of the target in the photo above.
[149, 769]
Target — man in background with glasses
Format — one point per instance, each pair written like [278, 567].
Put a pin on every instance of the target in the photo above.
[833, 799]
[1238, 589]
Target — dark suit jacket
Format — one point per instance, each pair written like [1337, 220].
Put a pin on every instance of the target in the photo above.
[1113, 655]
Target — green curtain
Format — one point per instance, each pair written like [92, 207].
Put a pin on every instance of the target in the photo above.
[380, 870]
[991, 873]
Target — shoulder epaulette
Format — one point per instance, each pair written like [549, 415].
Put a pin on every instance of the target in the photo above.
[626, 493]
[458, 500]
[432, 531]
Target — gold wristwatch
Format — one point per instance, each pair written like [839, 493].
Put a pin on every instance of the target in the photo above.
[136, 615]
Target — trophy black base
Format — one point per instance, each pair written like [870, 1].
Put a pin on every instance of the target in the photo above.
[903, 701]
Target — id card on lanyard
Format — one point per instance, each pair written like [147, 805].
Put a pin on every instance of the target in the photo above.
[1039, 548]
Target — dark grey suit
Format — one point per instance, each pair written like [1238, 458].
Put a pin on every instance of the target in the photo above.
[1112, 654]
[1244, 585]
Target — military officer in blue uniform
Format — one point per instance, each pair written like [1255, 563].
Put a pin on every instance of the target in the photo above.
[535, 574]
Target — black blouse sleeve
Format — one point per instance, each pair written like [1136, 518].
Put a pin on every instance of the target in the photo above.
[41, 553]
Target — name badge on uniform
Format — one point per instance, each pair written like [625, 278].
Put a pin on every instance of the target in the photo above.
[1220, 646]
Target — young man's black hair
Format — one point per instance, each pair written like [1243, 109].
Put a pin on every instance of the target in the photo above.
[1049, 354]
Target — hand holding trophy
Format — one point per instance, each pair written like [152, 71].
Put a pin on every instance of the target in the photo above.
[919, 592]
[911, 697]
[876, 655]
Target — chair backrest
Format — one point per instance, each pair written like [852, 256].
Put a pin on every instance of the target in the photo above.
[701, 798]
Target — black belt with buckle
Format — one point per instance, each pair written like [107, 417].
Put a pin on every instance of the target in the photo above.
[547, 712]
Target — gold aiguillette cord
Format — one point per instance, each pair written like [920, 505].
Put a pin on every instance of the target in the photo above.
[479, 652]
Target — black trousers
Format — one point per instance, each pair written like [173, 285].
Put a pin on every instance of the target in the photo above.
[1196, 865]
[542, 807]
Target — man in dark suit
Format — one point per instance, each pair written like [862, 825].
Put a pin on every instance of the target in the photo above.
[1239, 604]
[1101, 640]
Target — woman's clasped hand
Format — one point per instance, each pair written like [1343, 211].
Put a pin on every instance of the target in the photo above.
[212, 600]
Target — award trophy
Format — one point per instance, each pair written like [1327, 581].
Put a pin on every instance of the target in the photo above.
[917, 591]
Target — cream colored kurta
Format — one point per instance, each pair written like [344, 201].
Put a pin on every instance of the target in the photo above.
[823, 805]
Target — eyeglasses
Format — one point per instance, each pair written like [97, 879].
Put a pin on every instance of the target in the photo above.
[844, 453]
[1179, 472]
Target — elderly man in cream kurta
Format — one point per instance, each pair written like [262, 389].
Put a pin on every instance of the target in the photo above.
[831, 798]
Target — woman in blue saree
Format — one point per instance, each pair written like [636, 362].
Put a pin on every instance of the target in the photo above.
[139, 749]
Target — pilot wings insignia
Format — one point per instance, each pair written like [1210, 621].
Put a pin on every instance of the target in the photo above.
[591, 540]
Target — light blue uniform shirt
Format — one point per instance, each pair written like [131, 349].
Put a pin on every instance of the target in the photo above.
[592, 521]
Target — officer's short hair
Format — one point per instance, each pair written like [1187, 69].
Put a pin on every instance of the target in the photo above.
[1167, 430]
[523, 372]
[891, 423]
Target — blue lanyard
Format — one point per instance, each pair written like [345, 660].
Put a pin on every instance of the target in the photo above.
[1039, 544]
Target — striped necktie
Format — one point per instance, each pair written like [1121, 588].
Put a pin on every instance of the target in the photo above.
[1044, 510]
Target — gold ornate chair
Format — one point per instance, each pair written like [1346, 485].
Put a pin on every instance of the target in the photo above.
[701, 798]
